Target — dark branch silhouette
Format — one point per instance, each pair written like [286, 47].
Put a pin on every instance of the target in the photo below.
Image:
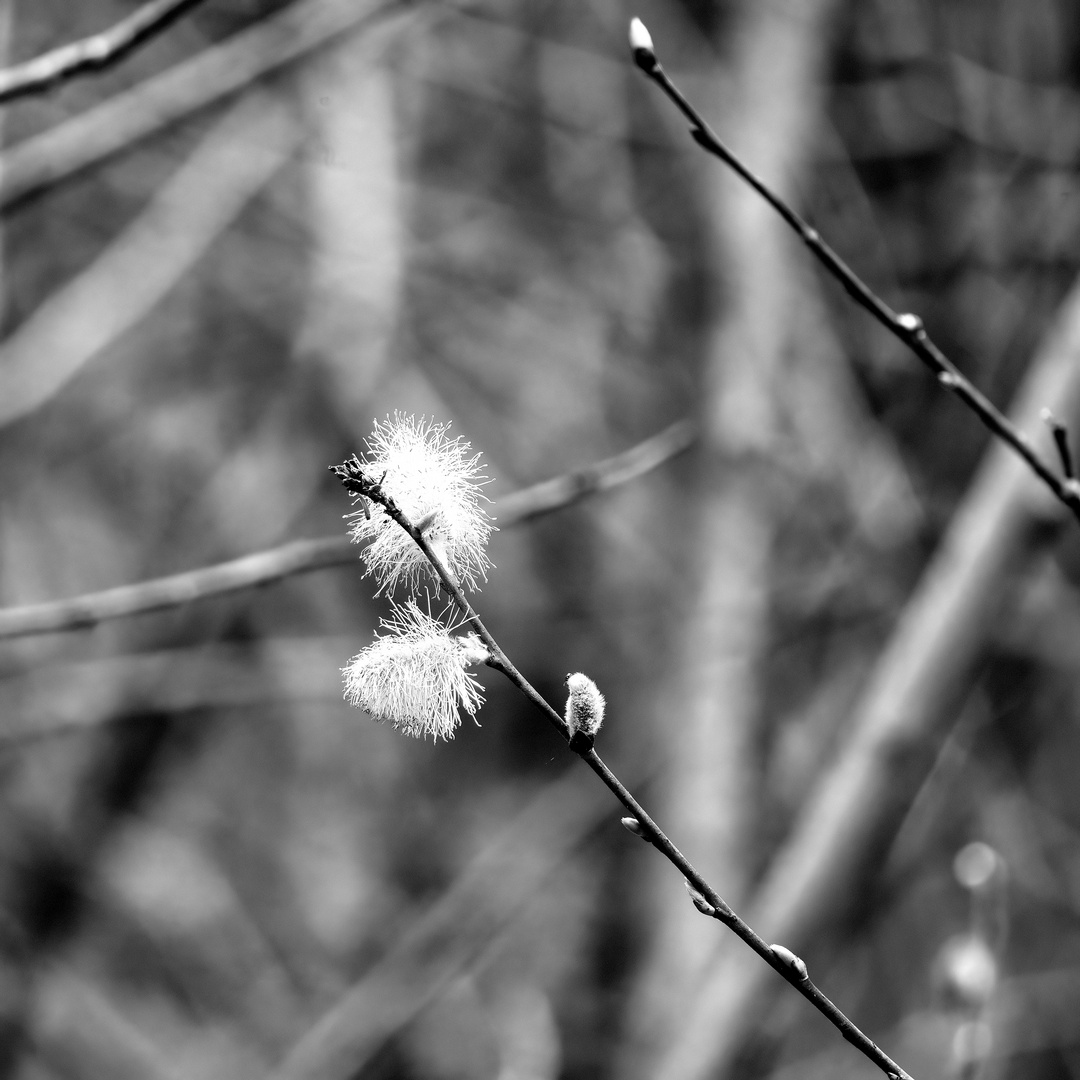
[92, 53]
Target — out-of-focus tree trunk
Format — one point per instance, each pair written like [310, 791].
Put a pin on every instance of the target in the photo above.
[708, 703]
[356, 195]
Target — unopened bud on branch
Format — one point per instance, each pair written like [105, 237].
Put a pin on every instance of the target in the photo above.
[584, 707]
[631, 824]
[641, 46]
[792, 962]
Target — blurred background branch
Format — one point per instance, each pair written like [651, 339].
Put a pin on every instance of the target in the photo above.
[163, 98]
[92, 53]
[304, 556]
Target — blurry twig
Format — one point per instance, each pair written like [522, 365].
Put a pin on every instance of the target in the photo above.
[456, 933]
[145, 261]
[92, 53]
[219, 70]
[78, 1030]
[907, 327]
[303, 556]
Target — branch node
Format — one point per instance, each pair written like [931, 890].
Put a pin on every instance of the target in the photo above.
[790, 961]
[700, 902]
[1061, 441]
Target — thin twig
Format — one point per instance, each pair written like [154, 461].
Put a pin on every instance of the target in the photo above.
[92, 53]
[907, 327]
[221, 69]
[705, 898]
[304, 556]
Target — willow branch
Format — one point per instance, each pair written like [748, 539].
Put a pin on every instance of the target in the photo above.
[92, 53]
[907, 327]
[705, 898]
[304, 556]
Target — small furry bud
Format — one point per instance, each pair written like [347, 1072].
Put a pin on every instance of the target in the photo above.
[641, 46]
[584, 706]
[790, 961]
[910, 322]
[631, 824]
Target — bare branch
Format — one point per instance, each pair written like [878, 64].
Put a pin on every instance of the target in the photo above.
[907, 327]
[92, 53]
[144, 261]
[304, 556]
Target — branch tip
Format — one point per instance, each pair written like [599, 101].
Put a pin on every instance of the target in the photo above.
[641, 45]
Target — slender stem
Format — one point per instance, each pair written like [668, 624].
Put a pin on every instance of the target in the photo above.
[706, 899]
[907, 327]
[92, 53]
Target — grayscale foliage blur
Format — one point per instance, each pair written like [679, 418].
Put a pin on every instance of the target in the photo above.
[223, 257]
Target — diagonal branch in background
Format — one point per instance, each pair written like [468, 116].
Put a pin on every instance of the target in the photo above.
[907, 706]
[304, 556]
[467, 923]
[220, 70]
[145, 261]
[92, 53]
[907, 327]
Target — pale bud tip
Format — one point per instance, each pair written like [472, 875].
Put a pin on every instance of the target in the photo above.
[641, 45]
[640, 38]
[790, 961]
[631, 824]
